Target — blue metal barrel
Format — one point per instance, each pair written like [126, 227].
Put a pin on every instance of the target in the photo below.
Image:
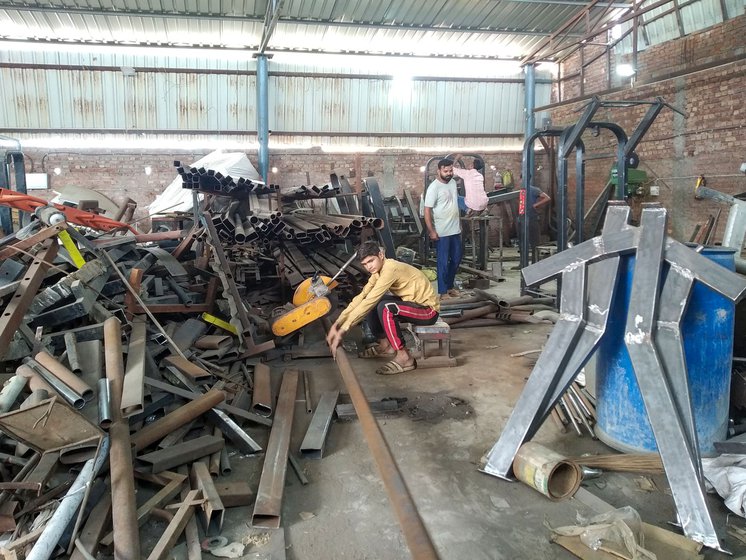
[707, 331]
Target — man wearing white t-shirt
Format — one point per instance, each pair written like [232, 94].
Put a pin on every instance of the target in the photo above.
[443, 223]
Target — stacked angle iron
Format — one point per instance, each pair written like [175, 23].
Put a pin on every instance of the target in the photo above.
[236, 226]
[213, 182]
[303, 192]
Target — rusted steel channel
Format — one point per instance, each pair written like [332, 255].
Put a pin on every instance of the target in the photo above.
[415, 533]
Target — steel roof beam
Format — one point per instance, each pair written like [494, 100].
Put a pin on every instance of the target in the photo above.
[287, 21]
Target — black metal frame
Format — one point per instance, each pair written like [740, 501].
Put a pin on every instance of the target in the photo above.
[570, 140]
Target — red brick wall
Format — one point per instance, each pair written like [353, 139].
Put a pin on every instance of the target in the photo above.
[710, 140]
[120, 175]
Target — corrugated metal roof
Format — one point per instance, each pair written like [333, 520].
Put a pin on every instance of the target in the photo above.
[476, 28]
[465, 28]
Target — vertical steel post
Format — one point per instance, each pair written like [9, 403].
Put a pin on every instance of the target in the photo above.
[262, 115]
[530, 99]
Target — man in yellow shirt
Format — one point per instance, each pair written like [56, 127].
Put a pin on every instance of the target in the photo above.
[395, 292]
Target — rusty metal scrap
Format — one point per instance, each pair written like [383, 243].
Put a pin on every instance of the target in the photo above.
[188, 311]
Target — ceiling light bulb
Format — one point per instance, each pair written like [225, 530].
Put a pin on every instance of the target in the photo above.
[57, 170]
[274, 170]
[148, 170]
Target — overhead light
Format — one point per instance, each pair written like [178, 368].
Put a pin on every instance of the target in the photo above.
[422, 169]
[57, 170]
[625, 70]
[148, 170]
[274, 170]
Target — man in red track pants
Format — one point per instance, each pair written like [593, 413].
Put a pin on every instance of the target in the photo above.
[395, 292]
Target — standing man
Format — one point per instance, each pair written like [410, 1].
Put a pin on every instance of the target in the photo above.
[395, 292]
[530, 203]
[443, 223]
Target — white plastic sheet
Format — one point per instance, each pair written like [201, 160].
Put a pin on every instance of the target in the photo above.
[175, 198]
[727, 476]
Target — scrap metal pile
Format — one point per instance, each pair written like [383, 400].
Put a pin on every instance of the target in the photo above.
[133, 361]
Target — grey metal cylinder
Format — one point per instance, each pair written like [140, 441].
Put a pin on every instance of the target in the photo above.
[104, 403]
[66, 392]
[10, 392]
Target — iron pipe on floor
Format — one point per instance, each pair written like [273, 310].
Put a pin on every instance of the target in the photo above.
[415, 533]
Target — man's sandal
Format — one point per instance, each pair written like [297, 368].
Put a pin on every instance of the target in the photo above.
[393, 368]
[375, 352]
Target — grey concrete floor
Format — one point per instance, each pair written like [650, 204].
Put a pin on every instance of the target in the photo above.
[452, 417]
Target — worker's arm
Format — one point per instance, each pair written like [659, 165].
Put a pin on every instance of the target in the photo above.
[542, 200]
[429, 224]
[350, 309]
[334, 338]
[371, 299]
[337, 330]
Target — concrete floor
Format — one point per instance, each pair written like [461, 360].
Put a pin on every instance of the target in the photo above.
[452, 417]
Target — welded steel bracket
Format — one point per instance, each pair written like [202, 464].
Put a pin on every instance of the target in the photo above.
[670, 429]
[602, 278]
[534, 400]
[651, 332]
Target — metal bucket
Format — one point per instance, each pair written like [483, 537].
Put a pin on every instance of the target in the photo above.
[707, 334]
[546, 471]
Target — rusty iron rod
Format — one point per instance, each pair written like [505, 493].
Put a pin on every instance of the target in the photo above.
[415, 533]
[158, 429]
[124, 512]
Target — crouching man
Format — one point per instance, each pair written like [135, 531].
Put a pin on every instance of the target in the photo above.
[395, 292]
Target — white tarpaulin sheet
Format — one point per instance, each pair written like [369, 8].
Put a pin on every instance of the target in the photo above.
[175, 198]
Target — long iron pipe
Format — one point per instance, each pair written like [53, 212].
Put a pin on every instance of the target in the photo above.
[124, 512]
[415, 533]
[186, 413]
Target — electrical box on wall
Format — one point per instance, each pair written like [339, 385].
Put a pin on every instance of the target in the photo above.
[654, 190]
[37, 181]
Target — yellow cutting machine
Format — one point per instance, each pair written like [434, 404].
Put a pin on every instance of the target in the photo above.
[310, 302]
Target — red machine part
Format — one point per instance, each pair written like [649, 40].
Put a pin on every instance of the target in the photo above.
[29, 204]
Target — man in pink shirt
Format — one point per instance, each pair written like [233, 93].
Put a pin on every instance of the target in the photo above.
[475, 199]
